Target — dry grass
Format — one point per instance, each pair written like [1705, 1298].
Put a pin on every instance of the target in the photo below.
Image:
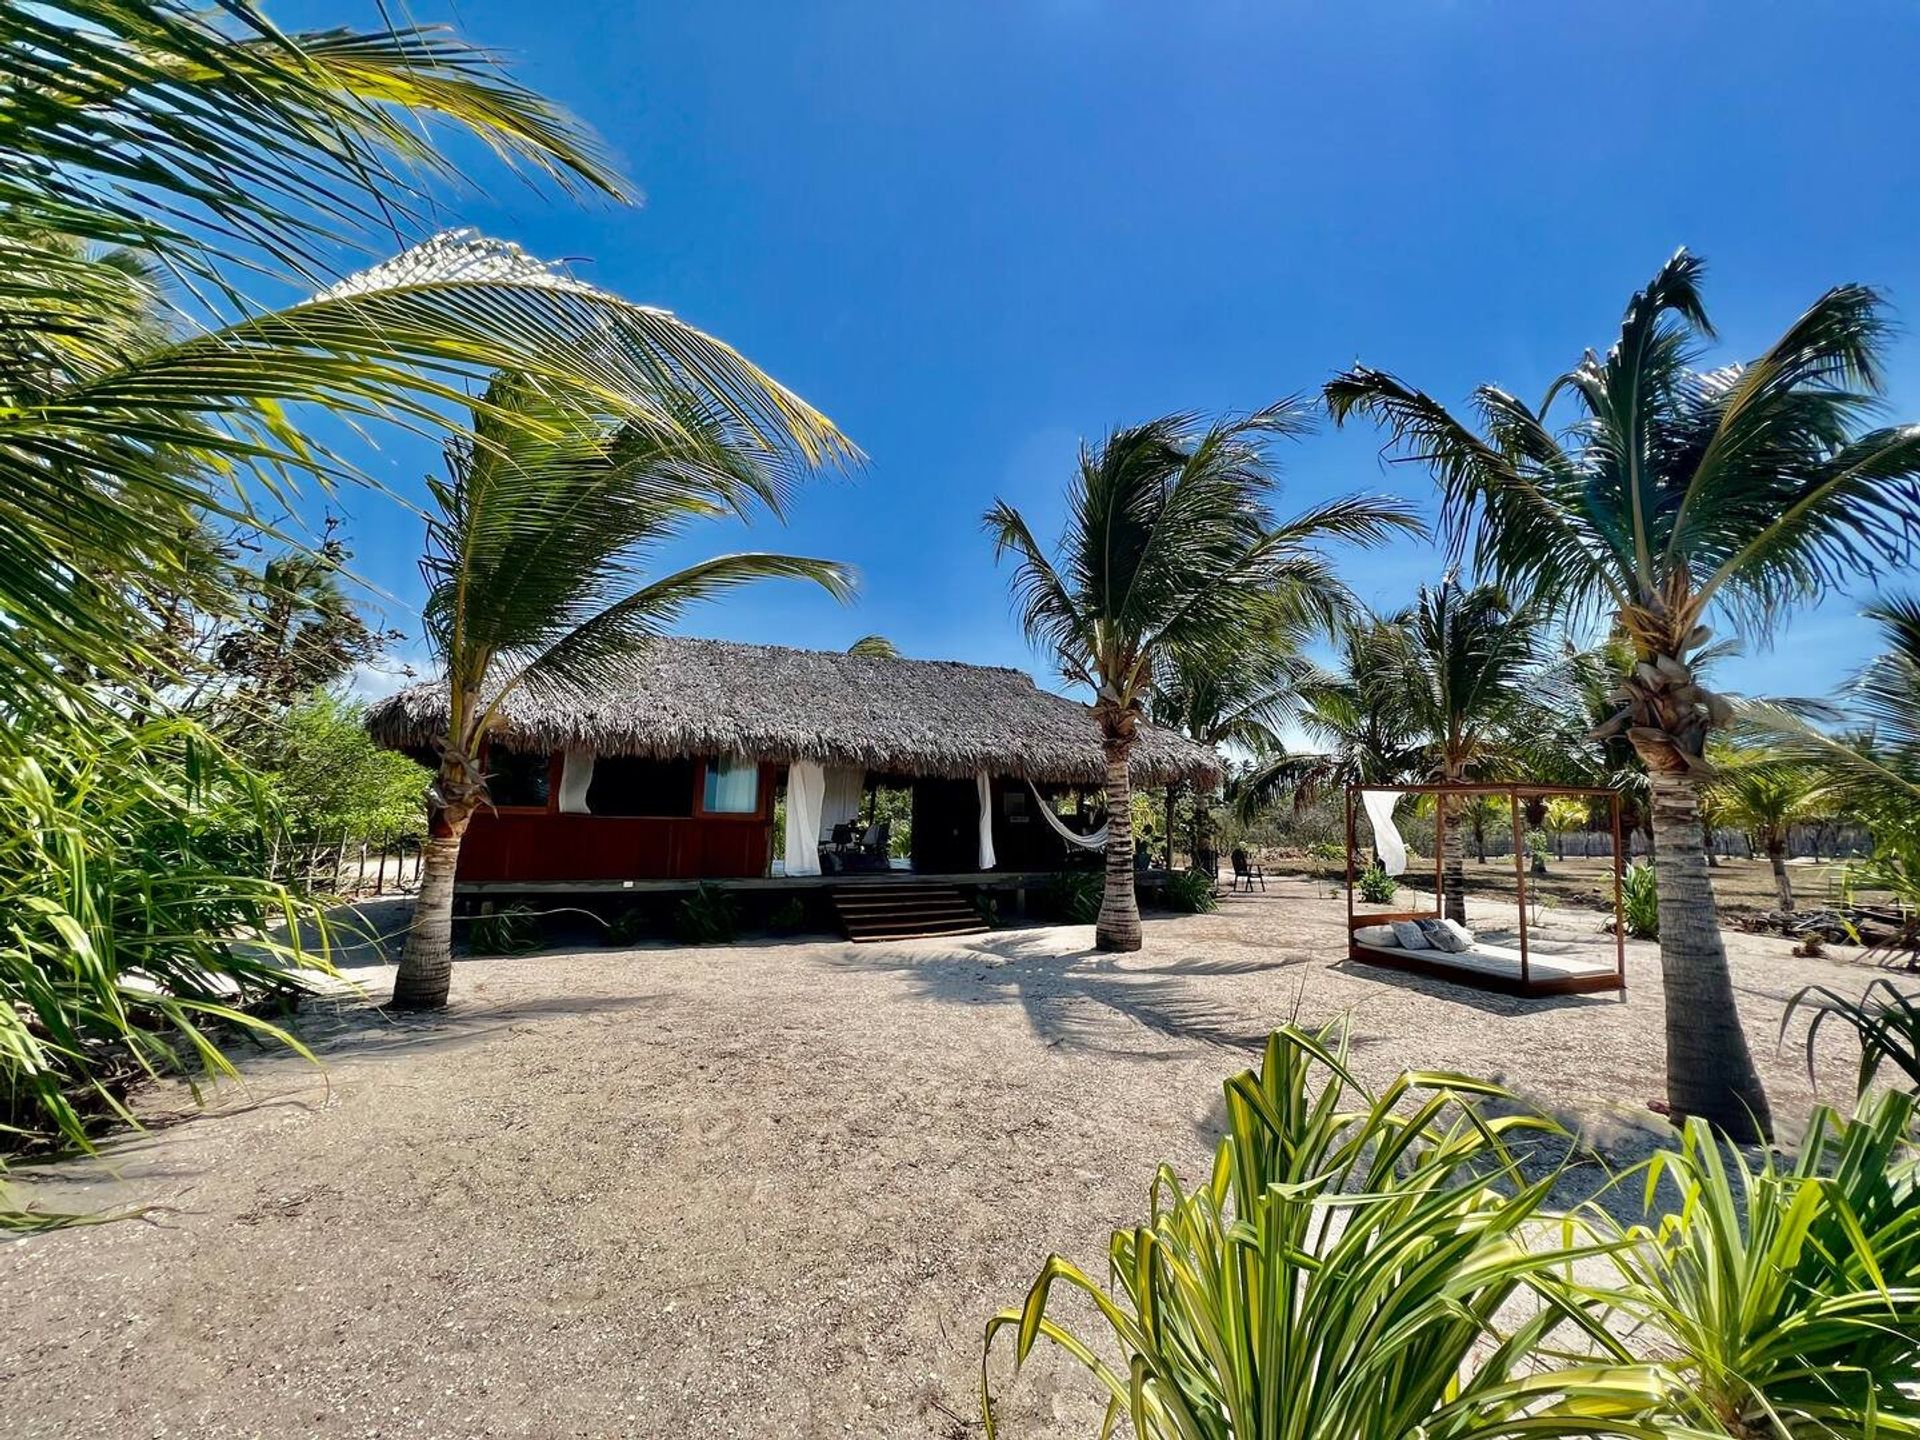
[766, 1190]
[1743, 888]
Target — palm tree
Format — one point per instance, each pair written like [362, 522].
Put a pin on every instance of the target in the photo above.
[874, 647]
[1871, 769]
[536, 588]
[1242, 698]
[1766, 795]
[1169, 547]
[1750, 489]
[1467, 672]
[1353, 714]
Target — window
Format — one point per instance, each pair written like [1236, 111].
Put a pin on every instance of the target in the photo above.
[518, 778]
[636, 785]
[733, 788]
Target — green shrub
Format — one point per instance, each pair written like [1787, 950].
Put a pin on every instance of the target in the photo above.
[789, 917]
[131, 858]
[1075, 895]
[1786, 1297]
[1338, 1276]
[1376, 886]
[514, 930]
[1640, 901]
[630, 926]
[709, 916]
[1192, 893]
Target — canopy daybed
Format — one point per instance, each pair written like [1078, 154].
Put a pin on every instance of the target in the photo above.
[1523, 969]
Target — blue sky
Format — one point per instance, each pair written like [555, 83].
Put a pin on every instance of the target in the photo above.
[974, 232]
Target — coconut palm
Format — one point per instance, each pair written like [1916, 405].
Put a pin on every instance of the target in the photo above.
[1871, 769]
[1354, 715]
[1242, 698]
[874, 647]
[1750, 489]
[1169, 546]
[1765, 795]
[536, 587]
[1468, 672]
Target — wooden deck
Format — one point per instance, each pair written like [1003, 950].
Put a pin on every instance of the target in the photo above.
[968, 879]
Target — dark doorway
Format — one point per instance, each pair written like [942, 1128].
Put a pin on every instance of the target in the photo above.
[946, 826]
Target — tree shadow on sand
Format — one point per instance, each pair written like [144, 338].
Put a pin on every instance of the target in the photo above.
[1071, 997]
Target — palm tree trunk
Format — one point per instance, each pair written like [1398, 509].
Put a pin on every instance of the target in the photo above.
[1119, 924]
[1453, 860]
[1777, 857]
[1173, 797]
[1709, 1068]
[426, 965]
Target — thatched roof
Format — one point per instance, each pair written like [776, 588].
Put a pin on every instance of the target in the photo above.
[770, 703]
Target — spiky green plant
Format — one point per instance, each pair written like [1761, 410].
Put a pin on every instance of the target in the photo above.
[1345, 1273]
[1640, 901]
[1885, 1019]
[137, 925]
[1785, 1296]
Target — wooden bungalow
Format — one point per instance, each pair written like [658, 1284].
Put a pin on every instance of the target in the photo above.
[672, 775]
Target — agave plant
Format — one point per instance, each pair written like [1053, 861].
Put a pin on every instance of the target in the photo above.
[1344, 1273]
[1786, 1297]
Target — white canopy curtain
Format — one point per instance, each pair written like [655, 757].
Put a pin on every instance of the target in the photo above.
[985, 784]
[806, 790]
[1386, 839]
[841, 802]
[1096, 841]
[576, 774]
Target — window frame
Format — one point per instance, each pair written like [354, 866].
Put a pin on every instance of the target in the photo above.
[763, 809]
[555, 759]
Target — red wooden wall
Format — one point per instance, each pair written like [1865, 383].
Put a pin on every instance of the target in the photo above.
[521, 844]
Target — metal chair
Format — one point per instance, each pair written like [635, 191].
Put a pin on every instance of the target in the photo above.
[1246, 872]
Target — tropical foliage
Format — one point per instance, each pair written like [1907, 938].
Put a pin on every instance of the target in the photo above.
[1749, 488]
[1171, 550]
[1386, 1264]
[174, 179]
[138, 926]
[1338, 1275]
[534, 564]
[1786, 1296]
[1885, 1020]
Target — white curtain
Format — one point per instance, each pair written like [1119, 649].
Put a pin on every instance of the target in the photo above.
[1096, 841]
[806, 787]
[1386, 839]
[985, 786]
[841, 803]
[576, 774]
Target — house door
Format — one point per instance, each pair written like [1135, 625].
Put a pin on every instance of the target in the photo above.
[946, 826]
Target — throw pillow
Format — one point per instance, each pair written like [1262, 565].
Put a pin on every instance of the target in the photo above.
[1409, 936]
[1375, 935]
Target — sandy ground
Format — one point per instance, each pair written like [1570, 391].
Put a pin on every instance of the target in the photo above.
[766, 1190]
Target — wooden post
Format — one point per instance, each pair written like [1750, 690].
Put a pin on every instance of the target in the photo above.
[1619, 899]
[1351, 841]
[1440, 857]
[1520, 876]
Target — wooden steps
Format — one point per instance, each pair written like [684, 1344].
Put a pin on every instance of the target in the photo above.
[904, 910]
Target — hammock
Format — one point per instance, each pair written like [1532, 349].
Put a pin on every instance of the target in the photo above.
[1096, 841]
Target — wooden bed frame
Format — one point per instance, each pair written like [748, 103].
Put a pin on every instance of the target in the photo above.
[1436, 963]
